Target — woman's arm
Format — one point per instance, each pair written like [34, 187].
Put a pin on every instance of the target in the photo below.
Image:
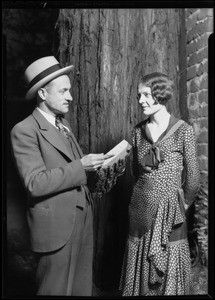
[191, 165]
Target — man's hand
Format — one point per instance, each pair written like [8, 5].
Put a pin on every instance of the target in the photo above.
[92, 162]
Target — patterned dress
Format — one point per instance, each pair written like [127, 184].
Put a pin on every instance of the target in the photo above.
[157, 256]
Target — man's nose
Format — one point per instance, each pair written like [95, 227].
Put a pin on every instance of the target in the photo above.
[69, 97]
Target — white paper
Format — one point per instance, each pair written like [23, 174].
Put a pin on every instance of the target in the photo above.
[119, 151]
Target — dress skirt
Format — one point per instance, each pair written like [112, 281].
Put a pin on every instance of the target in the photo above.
[136, 270]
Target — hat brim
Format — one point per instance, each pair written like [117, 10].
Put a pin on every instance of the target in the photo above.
[32, 91]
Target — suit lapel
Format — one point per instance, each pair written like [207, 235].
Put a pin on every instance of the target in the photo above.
[50, 134]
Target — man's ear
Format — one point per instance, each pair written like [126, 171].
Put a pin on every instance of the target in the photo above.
[42, 93]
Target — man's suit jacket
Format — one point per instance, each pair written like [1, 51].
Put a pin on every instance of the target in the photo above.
[53, 178]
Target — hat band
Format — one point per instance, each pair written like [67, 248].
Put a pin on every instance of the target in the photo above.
[43, 74]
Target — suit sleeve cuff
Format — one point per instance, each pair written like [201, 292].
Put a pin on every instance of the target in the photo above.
[81, 177]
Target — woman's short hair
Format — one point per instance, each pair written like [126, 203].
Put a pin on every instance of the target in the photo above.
[161, 86]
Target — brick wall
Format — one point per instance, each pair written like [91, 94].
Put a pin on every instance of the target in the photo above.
[199, 26]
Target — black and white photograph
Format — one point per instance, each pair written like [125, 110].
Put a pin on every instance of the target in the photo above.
[107, 109]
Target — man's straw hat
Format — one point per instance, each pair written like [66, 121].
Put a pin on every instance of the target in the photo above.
[41, 72]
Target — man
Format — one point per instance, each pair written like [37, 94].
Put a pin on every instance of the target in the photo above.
[53, 170]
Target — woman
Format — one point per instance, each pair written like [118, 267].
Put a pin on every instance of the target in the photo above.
[157, 256]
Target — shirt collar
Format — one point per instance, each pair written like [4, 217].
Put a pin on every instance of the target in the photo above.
[49, 118]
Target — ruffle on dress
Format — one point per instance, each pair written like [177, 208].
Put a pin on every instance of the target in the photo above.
[168, 216]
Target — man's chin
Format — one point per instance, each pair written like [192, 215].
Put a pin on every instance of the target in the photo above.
[65, 110]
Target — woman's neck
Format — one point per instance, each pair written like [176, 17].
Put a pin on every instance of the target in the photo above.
[160, 118]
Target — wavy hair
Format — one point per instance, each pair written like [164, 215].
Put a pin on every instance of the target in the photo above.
[161, 86]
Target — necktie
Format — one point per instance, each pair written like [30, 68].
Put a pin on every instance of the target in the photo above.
[60, 127]
[66, 132]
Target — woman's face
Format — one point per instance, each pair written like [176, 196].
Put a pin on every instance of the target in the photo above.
[146, 100]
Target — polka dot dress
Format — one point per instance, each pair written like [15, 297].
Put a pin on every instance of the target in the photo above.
[153, 264]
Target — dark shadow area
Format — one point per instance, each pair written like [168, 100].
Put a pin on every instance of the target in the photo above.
[28, 34]
[21, 267]
[111, 226]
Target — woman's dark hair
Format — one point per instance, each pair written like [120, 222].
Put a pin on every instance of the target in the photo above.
[160, 84]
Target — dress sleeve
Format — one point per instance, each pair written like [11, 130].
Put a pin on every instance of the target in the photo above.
[191, 166]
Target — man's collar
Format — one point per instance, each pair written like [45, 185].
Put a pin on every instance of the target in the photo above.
[48, 116]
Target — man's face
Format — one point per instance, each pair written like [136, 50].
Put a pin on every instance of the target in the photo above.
[57, 96]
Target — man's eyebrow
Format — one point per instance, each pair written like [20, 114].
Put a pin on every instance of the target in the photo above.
[64, 89]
